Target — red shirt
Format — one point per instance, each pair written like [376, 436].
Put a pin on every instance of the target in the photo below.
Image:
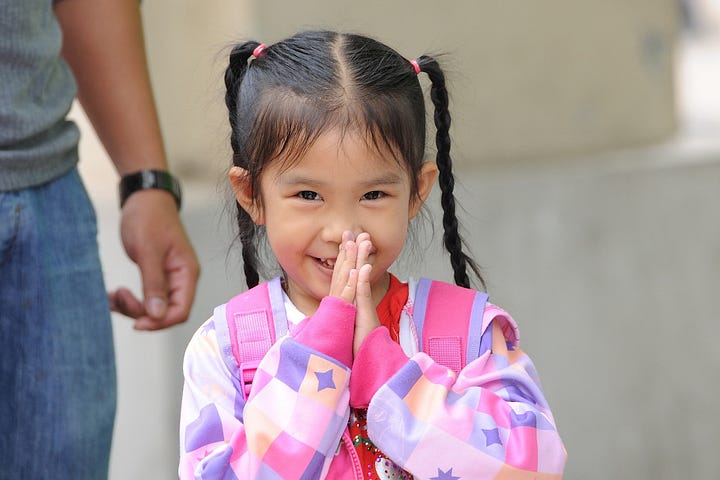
[376, 466]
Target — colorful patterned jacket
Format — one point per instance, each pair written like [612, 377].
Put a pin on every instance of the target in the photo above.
[490, 421]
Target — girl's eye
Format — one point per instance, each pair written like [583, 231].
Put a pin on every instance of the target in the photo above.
[374, 195]
[308, 195]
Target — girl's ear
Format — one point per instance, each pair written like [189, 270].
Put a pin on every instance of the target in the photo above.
[242, 189]
[425, 181]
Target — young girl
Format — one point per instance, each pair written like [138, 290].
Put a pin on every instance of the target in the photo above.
[328, 135]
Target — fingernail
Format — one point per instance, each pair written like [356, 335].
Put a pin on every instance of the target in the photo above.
[156, 307]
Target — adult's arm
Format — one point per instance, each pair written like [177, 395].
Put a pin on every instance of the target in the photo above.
[103, 44]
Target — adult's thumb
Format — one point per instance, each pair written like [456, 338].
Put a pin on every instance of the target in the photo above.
[154, 287]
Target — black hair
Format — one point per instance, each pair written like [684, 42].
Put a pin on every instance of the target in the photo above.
[315, 81]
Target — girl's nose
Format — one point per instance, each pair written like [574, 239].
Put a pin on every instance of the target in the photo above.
[336, 225]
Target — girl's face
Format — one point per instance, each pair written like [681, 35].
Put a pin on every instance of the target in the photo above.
[340, 184]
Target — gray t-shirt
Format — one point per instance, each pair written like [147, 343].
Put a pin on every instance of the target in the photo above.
[37, 143]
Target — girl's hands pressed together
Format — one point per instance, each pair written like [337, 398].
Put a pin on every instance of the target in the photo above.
[351, 282]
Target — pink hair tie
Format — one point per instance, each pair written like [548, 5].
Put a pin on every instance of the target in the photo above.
[416, 66]
[258, 50]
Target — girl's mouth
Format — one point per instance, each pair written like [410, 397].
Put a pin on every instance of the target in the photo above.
[328, 263]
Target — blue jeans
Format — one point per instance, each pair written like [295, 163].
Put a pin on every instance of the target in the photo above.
[57, 366]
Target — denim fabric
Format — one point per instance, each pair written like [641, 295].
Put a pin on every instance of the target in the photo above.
[57, 371]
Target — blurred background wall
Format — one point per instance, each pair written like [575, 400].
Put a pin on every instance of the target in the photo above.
[587, 142]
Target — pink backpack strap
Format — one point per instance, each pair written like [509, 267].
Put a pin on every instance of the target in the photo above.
[255, 320]
[449, 322]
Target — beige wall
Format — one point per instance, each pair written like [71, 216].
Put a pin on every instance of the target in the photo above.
[187, 42]
[528, 80]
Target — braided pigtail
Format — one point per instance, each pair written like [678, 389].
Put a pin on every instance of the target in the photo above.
[451, 237]
[234, 74]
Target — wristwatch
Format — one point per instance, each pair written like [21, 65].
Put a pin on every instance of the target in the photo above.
[154, 179]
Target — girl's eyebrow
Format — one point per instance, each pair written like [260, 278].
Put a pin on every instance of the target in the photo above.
[296, 179]
[389, 178]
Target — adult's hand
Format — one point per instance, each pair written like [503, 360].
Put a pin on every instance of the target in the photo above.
[155, 240]
[103, 44]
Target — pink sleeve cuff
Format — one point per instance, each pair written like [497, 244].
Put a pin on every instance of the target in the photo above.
[329, 330]
[377, 360]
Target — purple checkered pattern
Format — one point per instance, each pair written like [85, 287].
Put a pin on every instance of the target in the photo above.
[489, 422]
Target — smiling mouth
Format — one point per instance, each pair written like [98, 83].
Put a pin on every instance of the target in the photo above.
[326, 262]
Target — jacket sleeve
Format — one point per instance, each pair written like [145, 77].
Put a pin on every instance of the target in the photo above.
[297, 410]
[489, 422]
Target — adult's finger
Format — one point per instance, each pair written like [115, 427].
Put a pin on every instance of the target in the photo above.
[124, 302]
[182, 275]
[154, 284]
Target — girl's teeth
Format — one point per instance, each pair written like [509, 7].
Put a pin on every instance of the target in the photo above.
[328, 262]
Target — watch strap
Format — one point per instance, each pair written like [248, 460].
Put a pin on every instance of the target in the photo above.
[150, 179]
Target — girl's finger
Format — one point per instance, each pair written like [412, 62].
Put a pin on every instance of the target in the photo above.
[348, 292]
[362, 237]
[366, 319]
[364, 290]
[364, 250]
[344, 263]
